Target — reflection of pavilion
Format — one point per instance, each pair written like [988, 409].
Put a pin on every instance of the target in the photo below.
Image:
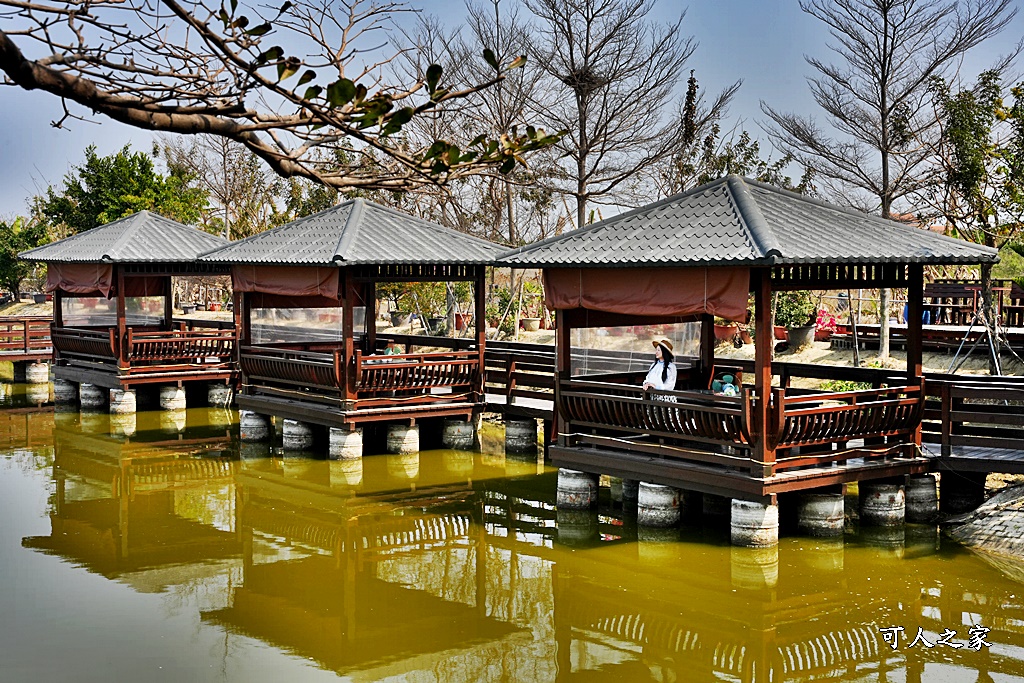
[140, 512]
[351, 580]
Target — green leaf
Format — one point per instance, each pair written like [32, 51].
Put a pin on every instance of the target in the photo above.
[284, 8]
[306, 77]
[397, 120]
[490, 58]
[340, 92]
[272, 55]
[517, 62]
[288, 68]
[240, 22]
[433, 76]
[507, 166]
[234, 5]
[478, 140]
[360, 94]
[312, 91]
[435, 149]
[260, 30]
[224, 17]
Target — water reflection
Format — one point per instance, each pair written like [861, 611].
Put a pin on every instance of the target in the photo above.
[455, 566]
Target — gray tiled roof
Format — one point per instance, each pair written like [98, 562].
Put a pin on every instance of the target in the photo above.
[358, 232]
[143, 237]
[738, 221]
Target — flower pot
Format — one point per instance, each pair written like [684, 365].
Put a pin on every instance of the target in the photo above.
[800, 337]
[461, 320]
[530, 324]
[188, 309]
[725, 332]
[821, 334]
[781, 333]
[399, 318]
[215, 307]
[39, 298]
[745, 337]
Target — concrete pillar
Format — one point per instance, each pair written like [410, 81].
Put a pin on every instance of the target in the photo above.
[122, 401]
[123, 424]
[404, 466]
[821, 514]
[575, 527]
[403, 439]
[64, 392]
[346, 473]
[172, 398]
[576, 490]
[922, 498]
[882, 504]
[345, 444]
[253, 427]
[37, 373]
[173, 421]
[219, 395]
[754, 568]
[37, 393]
[961, 491]
[91, 396]
[298, 436]
[657, 506]
[458, 434]
[754, 525]
[520, 436]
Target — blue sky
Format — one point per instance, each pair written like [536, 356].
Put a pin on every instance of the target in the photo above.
[762, 42]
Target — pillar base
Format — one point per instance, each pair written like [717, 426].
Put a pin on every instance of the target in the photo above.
[91, 397]
[922, 498]
[64, 392]
[297, 436]
[345, 444]
[253, 427]
[122, 401]
[576, 490]
[520, 436]
[754, 525]
[882, 504]
[403, 439]
[219, 395]
[458, 434]
[657, 506]
[37, 373]
[172, 398]
[821, 514]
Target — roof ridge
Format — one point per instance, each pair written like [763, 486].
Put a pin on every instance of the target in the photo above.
[761, 233]
[134, 222]
[351, 229]
[617, 217]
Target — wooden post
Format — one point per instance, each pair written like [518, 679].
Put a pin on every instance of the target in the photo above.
[915, 312]
[58, 308]
[480, 315]
[370, 301]
[347, 331]
[707, 351]
[764, 338]
[168, 304]
[563, 369]
[122, 323]
[243, 318]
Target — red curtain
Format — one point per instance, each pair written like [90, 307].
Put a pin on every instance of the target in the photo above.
[90, 279]
[293, 281]
[650, 291]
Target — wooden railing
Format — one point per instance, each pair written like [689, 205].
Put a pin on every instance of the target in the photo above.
[98, 344]
[416, 371]
[981, 412]
[24, 334]
[317, 372]
[179, 346]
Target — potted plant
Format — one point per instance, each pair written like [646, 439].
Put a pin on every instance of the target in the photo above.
[795, 311]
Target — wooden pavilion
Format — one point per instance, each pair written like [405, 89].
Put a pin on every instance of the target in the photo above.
[698, 255]
[336, 370]
[134, 338]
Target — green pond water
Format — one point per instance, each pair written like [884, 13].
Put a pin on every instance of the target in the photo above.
[155, 548]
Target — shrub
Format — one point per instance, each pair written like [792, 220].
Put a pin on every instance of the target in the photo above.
[794, 309]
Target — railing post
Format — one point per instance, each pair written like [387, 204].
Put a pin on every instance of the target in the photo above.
[510, 381]
[25, 338]
[946, 423]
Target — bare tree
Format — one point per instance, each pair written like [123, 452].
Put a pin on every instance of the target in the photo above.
[196, 67]
[875, 99]
[613, 73]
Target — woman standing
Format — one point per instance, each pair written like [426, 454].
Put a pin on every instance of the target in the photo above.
[662, 374]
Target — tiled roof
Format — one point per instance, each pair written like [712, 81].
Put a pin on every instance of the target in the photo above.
[358, 232]
[143, 237]
[738, 221]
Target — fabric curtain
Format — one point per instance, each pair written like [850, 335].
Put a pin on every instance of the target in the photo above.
[650, 291]
[89, 279]
[292, 281]
[147, 285]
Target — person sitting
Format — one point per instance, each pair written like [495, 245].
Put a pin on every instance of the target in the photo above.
[662, 373]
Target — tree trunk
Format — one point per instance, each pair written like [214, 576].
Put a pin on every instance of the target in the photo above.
[988, 315]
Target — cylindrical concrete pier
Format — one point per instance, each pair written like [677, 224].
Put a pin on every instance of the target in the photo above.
[345, 444]
[576, 490]
[657, 505]
[922, 498]
[754, 525]
[64, 392]
[520, 436]
[253, 427]
[37, 373]
[219, 395]
[172, 398]
[403, 439]
[122, 401]
[458, 434]
[821, 514]
[91, 397]
[961, 491]
[882, 504]
[297, 436]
